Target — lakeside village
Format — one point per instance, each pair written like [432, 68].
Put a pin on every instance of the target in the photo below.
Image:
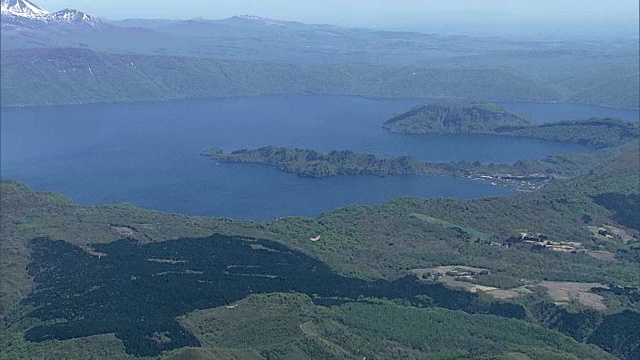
[527, 182]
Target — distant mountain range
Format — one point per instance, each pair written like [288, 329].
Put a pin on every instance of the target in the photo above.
[32, 77]
[331, 60]
[26, 13]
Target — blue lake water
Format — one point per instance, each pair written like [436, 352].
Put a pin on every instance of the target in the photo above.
[147, 153]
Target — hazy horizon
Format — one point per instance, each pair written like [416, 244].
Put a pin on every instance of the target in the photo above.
[587, 17]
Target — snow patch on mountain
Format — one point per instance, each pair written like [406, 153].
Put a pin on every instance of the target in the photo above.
[72, 16]
[22, 8]
[25, 12]
[257, 19]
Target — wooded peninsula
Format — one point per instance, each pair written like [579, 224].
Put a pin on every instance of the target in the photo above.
[609, 137]
[456, 117]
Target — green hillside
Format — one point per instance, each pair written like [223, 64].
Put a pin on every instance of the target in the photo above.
[369, 329]
[74, 76]
[616, 91]
[598, 133]
[77, 75]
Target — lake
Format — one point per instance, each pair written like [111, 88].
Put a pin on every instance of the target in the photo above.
[147, 153]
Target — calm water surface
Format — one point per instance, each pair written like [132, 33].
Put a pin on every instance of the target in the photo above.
[147, 154]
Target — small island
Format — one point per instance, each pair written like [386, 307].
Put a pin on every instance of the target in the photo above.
[492, 119]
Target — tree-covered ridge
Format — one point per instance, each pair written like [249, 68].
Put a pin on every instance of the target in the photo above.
[528, 174]
[388, 237]
[433, 329]
[492, 119]
[80, 76]
[370, 329]
[455, 118]
[596, 132]
[624, 207]
[307, 162]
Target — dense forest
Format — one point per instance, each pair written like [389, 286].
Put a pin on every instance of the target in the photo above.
[624, 207]
[492, 119]
[136, 291]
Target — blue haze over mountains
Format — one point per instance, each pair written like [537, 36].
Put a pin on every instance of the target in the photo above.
[601, 72]
[479, 18]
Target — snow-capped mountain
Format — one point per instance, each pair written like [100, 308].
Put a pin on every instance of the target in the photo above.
[24, 12]
[72, 16]
[22, 8]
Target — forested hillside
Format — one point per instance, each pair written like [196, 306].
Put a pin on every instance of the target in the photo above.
[455, 118]
[74, 76]
[492, 119]
[603, 72]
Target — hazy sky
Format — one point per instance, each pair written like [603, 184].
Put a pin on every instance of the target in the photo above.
[380, 13]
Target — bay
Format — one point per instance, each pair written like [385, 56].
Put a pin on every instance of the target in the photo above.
[147, 154]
